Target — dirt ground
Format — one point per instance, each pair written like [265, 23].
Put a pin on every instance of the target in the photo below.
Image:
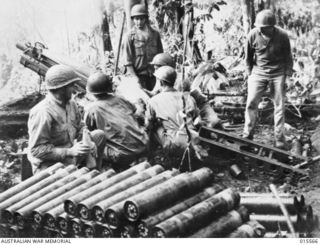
[10, 171]
[310, 188]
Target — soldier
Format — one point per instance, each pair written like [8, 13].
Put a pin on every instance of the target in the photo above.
[55, 123]
[126, 139]
[207, 115]
[269, 62]
[141, 45]
[165, 115]
[162, 59]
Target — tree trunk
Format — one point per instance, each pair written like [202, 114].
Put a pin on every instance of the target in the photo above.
[107, 45]
[247, 15]
[192, 51]
[252, 13]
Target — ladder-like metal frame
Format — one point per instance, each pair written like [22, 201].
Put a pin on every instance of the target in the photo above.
[277, 160]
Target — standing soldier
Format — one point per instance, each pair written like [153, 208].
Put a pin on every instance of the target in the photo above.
[269, 62]
[55, 123]
[141, 45]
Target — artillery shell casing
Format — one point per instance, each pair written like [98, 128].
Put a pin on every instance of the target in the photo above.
[279, 234]
[59, 209]
[24, 211]
[251, 229]
[63, 222]
[224, 225]
[270, 205]
[30, 181]
[9, 212]
[89, 229]
[104, 231]
[114, 215]
[72, 202]
[202, 213]
[84, 207]
[64, 192]
[13, 231]
[273, 222]
[50, 221]
[264, 195]
[145, 225]
[128, 230]
[60, 173]
[3, 230]
[69, 206]
[148, 183]
[166, 194]
[76, 226]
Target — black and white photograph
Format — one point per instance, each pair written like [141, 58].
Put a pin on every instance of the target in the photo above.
[159, 119]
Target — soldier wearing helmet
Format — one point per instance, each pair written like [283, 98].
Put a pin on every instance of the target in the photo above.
[142, 43]
[165, 115]
[162, 59]
[55, 123]
[269, 62]
[208, 116]
[126, 139]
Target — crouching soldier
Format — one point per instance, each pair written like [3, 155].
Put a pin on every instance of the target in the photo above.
[165, 116]
[55, 123]
[208, 117]
[126, 139]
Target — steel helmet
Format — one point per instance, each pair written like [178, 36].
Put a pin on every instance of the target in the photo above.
[167, 74]
[163, 59]
[138, 10]
[265, 18]
[59, 76]
[99, 83]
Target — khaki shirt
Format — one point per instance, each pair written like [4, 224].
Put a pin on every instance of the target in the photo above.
[268, 57]
[52, 129]
[115, 116]
[166, 110]
[140, 47]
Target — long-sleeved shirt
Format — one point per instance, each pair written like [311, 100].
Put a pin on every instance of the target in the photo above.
[268, 57]
[167, 109]
[52, 129]
[115, 116]
[140, 47]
